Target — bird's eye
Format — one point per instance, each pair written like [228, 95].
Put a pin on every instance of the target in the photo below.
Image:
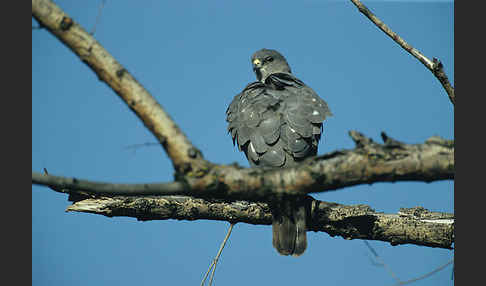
[269, 59]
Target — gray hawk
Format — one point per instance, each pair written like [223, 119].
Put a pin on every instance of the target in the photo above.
[277, 122]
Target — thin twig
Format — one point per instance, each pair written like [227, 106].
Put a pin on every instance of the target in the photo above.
[98, 17]
[207, 273]
[215, 260]
[399, 282]
[382, 262]
[138, 146]
[427, 274]
[212, 274]
[435, 66]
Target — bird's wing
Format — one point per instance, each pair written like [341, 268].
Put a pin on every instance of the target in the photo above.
[254, 124]
[303, 113]
[278, 122]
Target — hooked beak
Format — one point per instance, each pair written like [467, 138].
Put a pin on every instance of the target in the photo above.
[257, 64]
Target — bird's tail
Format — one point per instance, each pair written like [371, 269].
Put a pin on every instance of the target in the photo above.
[289, 225]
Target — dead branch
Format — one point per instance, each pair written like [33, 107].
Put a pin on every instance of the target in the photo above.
[368, 163]
[434, 65]
[98, 18]
[427, 274]
[215, 260]
[73, 185]
[395, 277]
[202, 176]
[183, 154]
[415, 226]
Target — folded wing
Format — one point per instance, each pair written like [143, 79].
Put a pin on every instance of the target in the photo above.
[277, 123]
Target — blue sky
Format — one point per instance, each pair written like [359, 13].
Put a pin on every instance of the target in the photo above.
[193, 57]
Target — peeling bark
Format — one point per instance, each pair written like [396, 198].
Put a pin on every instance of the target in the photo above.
[409, 226]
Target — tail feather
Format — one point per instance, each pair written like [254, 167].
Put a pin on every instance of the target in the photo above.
[289, 226]
[300, 216]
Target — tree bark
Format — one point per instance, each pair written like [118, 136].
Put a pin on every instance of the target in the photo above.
[434, 65]
[413, 226]
[216, 188]
[368, 163]
[183, 154]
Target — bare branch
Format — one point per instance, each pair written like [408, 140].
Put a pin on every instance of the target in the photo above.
[416, 226]
[183, 154]
[187, 159]
[215, 260]
[368, 163]
[140, 145]
[435, 66]
[382, 262]
[73, 185]
[399, 282]
[98, 18]
[427, 274]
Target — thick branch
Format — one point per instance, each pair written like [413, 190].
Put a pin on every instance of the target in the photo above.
[180, 150]
[369, 162]
[415, 226]
[435, 66]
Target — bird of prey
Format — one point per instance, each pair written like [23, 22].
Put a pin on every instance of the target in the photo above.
[277, 122]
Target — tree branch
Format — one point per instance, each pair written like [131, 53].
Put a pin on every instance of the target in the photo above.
[415, 226]
[188, 162]
[178, 147]
[435, 66]
[368, 163]
[215, 260]
[73, 185]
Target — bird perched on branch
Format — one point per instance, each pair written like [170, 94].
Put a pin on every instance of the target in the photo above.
[277, 122]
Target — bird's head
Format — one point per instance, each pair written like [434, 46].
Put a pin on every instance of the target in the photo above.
[266, 62]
